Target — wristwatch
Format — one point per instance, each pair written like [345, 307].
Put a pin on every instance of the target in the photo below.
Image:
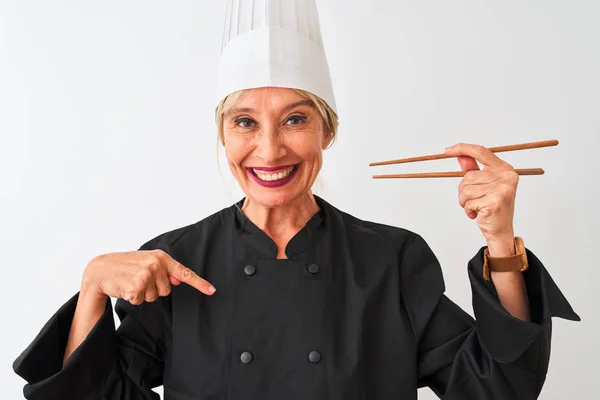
[514, 263]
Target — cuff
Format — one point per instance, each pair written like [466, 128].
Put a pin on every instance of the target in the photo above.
[504, 336]
[40, 364]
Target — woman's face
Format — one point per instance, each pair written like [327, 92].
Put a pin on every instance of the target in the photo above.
[274, 140]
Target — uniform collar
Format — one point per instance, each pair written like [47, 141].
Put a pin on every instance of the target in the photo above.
[260, 241]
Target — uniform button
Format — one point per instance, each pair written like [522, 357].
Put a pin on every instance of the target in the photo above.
[314, 357]
[246, 357]
[250, 270]
[313, 269]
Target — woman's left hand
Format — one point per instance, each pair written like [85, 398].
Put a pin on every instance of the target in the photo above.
[487, 195]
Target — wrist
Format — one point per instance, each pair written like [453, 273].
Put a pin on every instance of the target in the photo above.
[90, 291]
[502, 246]
[92, 296]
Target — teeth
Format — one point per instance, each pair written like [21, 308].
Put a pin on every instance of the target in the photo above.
[265, 176]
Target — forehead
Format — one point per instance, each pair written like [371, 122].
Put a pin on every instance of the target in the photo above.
[268, 98]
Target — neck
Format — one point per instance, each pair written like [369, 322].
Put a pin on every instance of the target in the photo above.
[281, 223]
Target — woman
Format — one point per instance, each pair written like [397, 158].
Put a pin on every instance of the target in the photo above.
[310, 302]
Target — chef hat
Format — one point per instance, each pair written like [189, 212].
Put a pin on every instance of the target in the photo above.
[273, 43]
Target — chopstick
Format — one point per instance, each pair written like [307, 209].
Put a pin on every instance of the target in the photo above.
[454, 174]
[499, 149]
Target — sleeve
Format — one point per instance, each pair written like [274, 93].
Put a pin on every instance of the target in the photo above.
[123, 364]
[492, 356]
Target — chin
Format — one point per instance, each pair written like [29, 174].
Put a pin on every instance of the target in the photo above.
[274, 198]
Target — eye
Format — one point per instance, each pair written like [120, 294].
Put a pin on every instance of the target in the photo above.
[244, 122]
[296, 120]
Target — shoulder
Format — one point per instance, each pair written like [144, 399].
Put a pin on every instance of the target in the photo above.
[367, 231]
[411, 252]
[190, 232]
[411, 249]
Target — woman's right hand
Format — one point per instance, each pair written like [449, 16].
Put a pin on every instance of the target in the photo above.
[134, 276]
[138, 276]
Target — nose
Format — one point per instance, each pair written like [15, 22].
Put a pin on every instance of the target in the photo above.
[269, 146]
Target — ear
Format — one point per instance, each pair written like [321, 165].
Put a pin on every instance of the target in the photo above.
[327, 138]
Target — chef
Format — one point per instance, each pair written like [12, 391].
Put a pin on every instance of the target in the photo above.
[284, 296]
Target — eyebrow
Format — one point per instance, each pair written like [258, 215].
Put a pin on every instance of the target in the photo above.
[305, 102]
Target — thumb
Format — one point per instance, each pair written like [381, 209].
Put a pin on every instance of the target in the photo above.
[174, 281]
[467, 163]
[179, 272]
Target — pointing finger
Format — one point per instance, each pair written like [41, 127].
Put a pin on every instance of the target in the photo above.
[186, 275]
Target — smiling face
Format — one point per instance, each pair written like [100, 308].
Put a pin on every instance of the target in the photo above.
[274, 139]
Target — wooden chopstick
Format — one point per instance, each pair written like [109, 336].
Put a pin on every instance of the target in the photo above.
[454, 174]
[499, 149]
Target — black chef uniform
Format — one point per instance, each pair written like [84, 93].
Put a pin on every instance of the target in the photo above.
[357, 311]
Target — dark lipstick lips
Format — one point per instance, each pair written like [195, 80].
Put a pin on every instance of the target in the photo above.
[277, 183]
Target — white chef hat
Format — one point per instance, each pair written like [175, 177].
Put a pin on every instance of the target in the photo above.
[273, 43]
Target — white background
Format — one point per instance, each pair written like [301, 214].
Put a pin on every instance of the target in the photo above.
[108, 139]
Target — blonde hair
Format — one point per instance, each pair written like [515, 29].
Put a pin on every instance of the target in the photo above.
[330, 118]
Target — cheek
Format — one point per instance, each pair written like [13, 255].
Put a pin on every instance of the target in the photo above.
[235, 149]
[307, 146]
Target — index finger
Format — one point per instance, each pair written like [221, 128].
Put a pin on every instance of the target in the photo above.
[186, 275]
[480, 153]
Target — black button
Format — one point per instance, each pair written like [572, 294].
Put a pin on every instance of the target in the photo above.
[246, 357]
[313, 269]
[314, 357]
[250, 270]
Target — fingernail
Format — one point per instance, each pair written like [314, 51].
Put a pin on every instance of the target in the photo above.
[211, 289]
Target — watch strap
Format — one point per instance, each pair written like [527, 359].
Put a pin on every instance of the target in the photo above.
[513, 263]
